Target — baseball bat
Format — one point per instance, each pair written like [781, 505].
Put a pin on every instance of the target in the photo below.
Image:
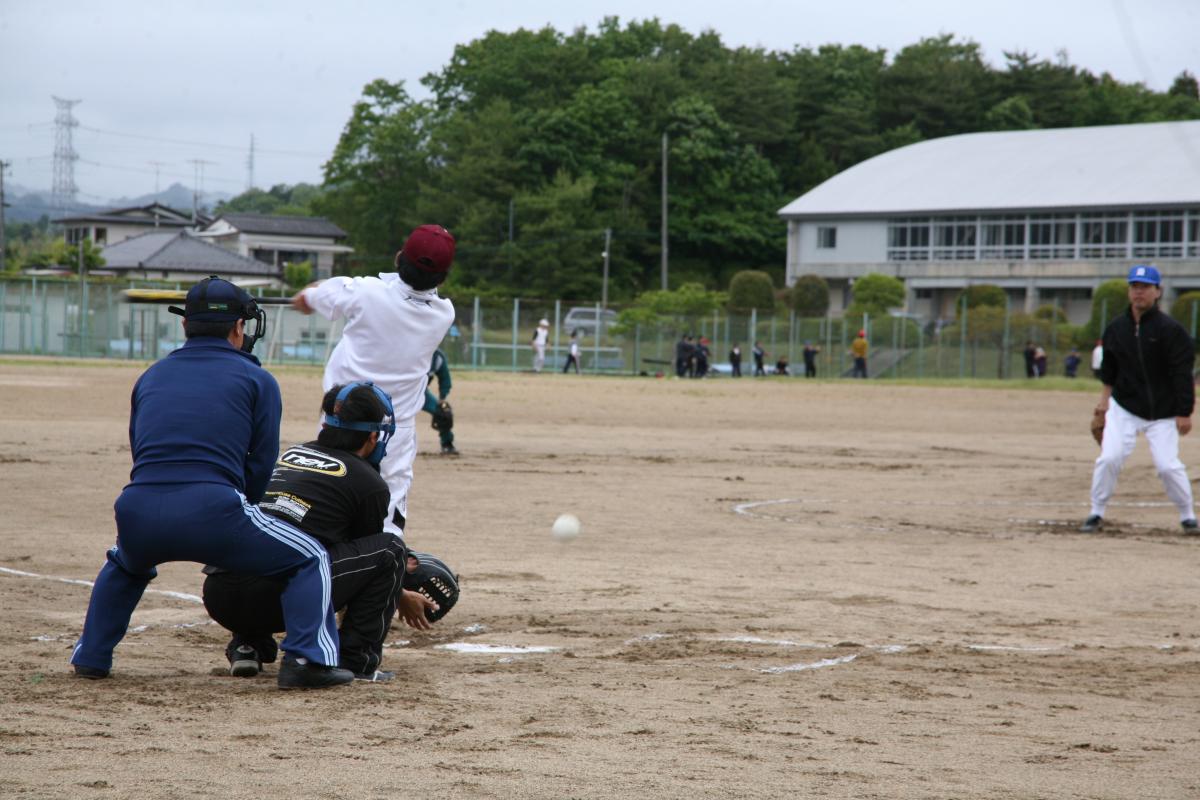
[163, 296]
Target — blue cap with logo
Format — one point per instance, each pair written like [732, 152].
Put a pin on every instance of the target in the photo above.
[1142, 273]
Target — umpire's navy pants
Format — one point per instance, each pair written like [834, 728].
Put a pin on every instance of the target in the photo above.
[208, 523]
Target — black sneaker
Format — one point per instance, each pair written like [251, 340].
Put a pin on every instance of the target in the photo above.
[91, 673]
[378, 676]
[244, 663]
[296, 675]
[1092, 524]
[1190, 527]
[449, 450]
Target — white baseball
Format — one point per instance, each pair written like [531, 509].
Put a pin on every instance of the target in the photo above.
[565, 527]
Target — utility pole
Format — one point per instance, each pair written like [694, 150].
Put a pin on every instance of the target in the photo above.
[156, 165]
[3, 166]
[664, 212]
[250, 166]
[197, 183]
[604, 284]
[62, 192]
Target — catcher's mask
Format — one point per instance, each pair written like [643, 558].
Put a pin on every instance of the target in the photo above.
[215, 299]
[435, 580]
[386, 427]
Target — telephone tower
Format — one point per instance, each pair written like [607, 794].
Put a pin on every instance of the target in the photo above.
[62, 193]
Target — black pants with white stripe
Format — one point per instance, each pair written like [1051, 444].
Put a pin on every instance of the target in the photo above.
[366, 584]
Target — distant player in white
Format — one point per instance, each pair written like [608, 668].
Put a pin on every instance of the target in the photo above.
[540, 337]
[393, 325]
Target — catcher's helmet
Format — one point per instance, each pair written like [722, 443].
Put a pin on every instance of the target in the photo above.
[435, 580]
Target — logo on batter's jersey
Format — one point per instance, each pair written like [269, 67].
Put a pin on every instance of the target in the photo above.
[312, 461]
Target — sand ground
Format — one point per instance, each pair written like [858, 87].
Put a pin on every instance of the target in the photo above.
[783, 589]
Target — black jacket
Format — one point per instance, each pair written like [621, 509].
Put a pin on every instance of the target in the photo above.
[1149, 365]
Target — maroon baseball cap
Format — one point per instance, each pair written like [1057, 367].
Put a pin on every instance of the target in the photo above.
[429, 248]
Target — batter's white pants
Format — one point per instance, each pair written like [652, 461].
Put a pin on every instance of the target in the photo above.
[1120, 436]
[397, 470]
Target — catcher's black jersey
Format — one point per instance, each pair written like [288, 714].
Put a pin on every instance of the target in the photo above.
[332, 495]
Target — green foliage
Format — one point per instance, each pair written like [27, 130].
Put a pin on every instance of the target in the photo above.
[875, 293]
[981, 294]
[750, 289]
[1186, 309]
[533, 142]
[1050, 313]
[57, 253]
[1110, 299]
[281, 199]
[298, 275]
[684, 307]
[810, 296]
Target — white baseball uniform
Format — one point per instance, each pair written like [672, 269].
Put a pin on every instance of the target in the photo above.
[539, 347]
[1121, 429]
[389, 337]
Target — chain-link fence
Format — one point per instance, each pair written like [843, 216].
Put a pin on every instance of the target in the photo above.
[43, 316]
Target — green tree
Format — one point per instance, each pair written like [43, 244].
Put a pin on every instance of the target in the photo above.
[751, 289]
[1186, 311]
[681, 308]
[875, 293]
[1010, 114]
[810, 296]
[1108, 300]
[939, 84]
[981, 294]
[298, 275]
[57, 253]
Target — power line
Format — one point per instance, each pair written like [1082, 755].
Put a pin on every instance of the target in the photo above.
[296, 153]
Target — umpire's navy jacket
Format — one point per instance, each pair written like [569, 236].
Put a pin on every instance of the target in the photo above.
[195, 437]
[1149, 365]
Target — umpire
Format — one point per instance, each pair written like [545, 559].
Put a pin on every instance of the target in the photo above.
[1148, 389]
[331, 489]
[204, 433]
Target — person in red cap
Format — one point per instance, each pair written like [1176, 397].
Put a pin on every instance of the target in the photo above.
[394, 323]
[858, 350]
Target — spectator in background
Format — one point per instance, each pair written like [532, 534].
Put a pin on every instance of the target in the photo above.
[810, 359]
[1097, 358]
[1030, 353]
[759, 354]
[1071, 364]
[540, 337]
[781, 366]
[572, 353]
[858, 350]
[1039, 361]
[702, 354]
[735, 360]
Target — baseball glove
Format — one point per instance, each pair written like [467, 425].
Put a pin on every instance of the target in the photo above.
[433, 579]
[443, 417]
[1098, 426]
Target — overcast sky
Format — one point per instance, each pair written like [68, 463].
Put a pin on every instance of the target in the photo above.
[208, 75]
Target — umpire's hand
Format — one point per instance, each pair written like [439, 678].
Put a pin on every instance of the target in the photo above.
[411, 608]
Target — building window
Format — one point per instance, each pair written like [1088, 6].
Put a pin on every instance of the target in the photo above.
[1052, 236]
[1003, 238]
[954, 238]
[908, 239]
[1193, 237]
[1104, 236]
[826, 238]
[923, 294]
[101, 236]
[1158, 234]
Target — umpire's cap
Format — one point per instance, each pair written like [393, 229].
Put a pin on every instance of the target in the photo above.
[216, 300]
[429, 248]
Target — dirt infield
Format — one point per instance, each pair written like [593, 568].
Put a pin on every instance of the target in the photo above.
[782, 589]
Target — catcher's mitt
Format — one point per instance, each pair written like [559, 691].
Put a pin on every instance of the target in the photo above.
[443, 417]
[433, 579]
[1098, 426]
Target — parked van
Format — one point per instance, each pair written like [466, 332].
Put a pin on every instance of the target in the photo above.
[583, 319]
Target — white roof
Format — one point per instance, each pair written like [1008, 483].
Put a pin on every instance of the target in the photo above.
[1112, 166]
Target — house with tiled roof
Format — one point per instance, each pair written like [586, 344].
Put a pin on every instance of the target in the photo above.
[280, 240]
[174, 255]
[111, 226]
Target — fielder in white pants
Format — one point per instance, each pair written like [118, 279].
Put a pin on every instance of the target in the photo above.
[1121, 430]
